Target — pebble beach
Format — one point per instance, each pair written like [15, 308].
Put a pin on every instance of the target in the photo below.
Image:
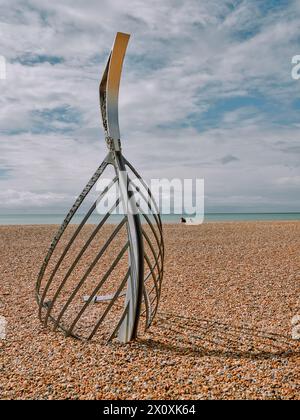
[223, 329]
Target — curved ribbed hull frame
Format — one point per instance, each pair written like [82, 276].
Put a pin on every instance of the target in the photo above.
[141, 285]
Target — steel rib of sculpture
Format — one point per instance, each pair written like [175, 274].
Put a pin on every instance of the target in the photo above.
[144, 244]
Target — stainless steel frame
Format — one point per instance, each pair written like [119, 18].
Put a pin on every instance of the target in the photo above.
[142, 268]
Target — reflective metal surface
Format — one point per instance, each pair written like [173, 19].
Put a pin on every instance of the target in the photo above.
[62, 280]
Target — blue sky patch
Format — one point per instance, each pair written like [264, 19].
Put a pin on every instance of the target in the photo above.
[267, 6]
[45, 119]
[36, 59]
[4, 173]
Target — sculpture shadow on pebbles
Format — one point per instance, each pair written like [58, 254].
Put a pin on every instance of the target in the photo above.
[202, 337]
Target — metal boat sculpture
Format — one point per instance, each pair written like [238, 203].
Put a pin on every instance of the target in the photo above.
[140, 288]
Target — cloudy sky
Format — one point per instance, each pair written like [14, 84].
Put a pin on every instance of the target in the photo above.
[206, 92]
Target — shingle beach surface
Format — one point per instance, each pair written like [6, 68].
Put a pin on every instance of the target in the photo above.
[223, 329]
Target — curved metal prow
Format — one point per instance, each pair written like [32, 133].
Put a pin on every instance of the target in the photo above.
[109, 96]
[109, 90]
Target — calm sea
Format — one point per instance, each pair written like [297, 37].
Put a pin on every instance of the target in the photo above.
[46, 219]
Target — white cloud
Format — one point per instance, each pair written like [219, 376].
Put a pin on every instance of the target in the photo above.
[184, 56]
[26, 199]
[290, 181]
